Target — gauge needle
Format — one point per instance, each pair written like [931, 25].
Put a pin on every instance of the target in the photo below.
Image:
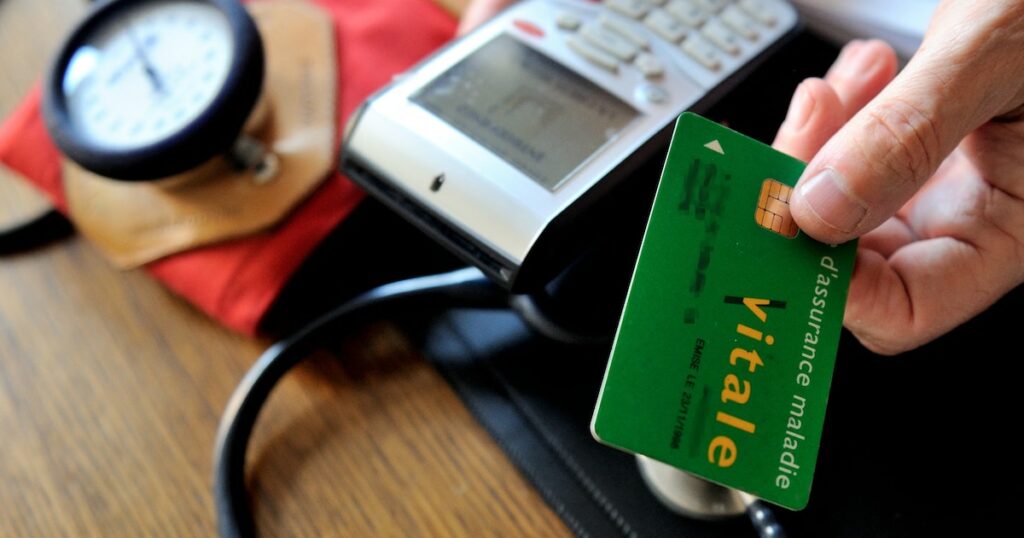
[147, 66]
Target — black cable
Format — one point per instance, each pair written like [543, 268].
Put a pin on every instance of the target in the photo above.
[462, 288]
[39, 231]
[467, 288]
[531, 312]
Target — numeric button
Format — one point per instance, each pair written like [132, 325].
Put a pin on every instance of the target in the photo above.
[686, 13]
[702, 52]
[650, 66]
[568, 21]
[739, 22]
[667, 27]
[595, 56]
[717, 33]
[711, 6]
[609, 42]
[633, 9]
[760, 11]
[624, 30]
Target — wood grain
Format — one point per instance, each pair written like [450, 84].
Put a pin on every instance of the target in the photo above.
[111, 389]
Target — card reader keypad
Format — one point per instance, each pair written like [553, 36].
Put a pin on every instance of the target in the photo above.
[706, 31]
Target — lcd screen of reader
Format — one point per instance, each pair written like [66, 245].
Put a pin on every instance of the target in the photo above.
[529, 110]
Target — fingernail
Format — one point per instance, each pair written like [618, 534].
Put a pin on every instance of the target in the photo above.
[855, 62]
[829, 199]
[845, 53]
[848, 48]
[800, 108]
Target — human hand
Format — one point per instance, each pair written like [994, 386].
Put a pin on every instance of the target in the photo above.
[478, 11]
[927, 167]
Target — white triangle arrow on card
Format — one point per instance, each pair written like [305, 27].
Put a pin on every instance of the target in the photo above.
[715, 146]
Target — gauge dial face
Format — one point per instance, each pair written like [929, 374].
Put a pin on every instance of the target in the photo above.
[146, 73]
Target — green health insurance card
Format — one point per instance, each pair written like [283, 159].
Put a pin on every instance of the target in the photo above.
[724, 354]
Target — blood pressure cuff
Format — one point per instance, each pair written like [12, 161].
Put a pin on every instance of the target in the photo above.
[237, 281]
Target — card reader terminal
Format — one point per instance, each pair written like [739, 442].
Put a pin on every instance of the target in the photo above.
[511, 142]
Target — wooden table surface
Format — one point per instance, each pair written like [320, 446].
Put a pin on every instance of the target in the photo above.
[111, 389]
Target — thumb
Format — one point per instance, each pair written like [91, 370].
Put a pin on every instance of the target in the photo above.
[879, 159]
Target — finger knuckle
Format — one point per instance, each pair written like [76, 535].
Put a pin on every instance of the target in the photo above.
[885, 344]
[997, 210]
[909, 139]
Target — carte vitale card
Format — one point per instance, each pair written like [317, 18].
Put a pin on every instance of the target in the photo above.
[724, 354]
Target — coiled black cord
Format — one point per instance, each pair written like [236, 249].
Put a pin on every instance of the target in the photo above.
[467, 288]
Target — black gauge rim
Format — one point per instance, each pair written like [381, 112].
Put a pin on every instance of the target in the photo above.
[211, 133]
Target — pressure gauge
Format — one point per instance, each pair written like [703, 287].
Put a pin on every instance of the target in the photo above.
[147, 89]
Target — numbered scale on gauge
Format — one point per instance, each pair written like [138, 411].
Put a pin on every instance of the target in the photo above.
[134, 84]
[146, 89]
